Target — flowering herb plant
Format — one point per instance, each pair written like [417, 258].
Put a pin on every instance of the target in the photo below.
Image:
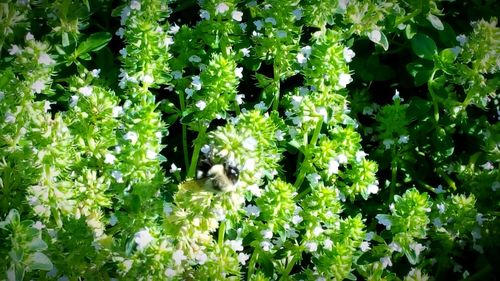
[365, 135]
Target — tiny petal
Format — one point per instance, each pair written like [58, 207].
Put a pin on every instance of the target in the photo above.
[348, 54]
[344, 79]
[132, 137]
[109, 158]
[242, 258]
[85, 91]
[201, 105]
[221, 8]
[237, 15]
[143, 238]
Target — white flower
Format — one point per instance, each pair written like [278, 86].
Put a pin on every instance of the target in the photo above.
[239, 98]
[403, 139]
[243, 26]
[10, 118]
[360, 155]
[488, 166]
[170, 272]
[151, 154]
[318, 230]
[252, 210]
[44, 58]
[200, 257]
[372, 189]
[15, 50]
[242, 258]
[174, 168]
[221, 8]
[386, 261]
[38, 225]
[117, 111]
[375, 35]
[348, 54]
[196, 82]
[117, 175]
[311, 246]
[239, 72]
[343, 4]
[204, 15]
[85, 91]
[201, 104]
[281, 34]
[260, 106]
[296, 219]
[417, 247]
[266, 245]
[74, 100]
[176, 74]
[441, 207]
[236, 15]
[147, 79]
[167, 208]
[437, 222]
[174, 29]
[384, 220]
[479, 218]
[29, 37]
[258, 24]
[178, 256]
[131, 136]
[246, 52]
[333, 167]
[396, 96]
[439, 189]
[388, 143]
[365, 246]
[342, 158]
[462, 39]
[113, 220]
[109, 158]
[38, 86]
[142, 239]
[313, 178]
[120, 32]
[95, 72]
[255, 190]
[267, 233]
[328, 244]
[206, 149]
[123, 52]
[297, 13]
[135, 5]
[279, 135]
[250, 143]
[271, 20]
[236, 245]
[395, 247]
[344, 79]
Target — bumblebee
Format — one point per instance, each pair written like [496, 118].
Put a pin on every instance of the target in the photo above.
[214, 177]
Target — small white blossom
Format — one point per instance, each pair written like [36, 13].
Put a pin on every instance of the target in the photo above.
[258, 24]
[201, 257]
[281, 34]
[441, 207]
[117, 111]
[45, 59]
[386, 261]
[372, 189]
[297, 13]
[239, 72]
[333, 167]
[488, 166]
[38, 225]
[147, 79]
[174, 168]
[344, 79]
[318, 230]
[95, 72]
[311, 246]
[343, 4]
[439, 189]
[279, 135]
[123, 52]
[206, 149]
[360, 155]
[396, 96]
[365, 246]
[348, 54]
[85, 91]
[178, 256]
[462, 39]
[201, 104]
[260, 106]
[236, 15]
[250, 143]
[113, 220]
[243, 26]
[117, 175]
[403, 139]
[267, 234]
[167, 208]
[204, 15]
[271, 20]
[236, 245]
[437, 222]
[169, 272]
[74, 100]
[479, 218]
[266, 245]
[375, 35]
[38, 86]
[174, 29]
[239, 98]
[252, 210]
[255, 190]
[135, 5]
[151, 154]
[196, 82]
[417, 247]
[120, 32]
[246, 52]
[10, 118]
[143, 238]
[388, 143]
[15, 50]
[221, 8]
[384, 220]
[131, 136]
[109, 158]
[29, 37]
[313, 178]
[328, 244]
[242, 258]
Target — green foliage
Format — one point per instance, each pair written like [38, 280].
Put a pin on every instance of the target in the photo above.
[365, 134]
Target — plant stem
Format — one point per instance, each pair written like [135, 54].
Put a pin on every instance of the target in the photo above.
[196, 152]
[222, 231]
[276, 73]
[251, 264]
[289, 268]
[308, 154]
[394, 172]
[184, 131]
[433, 97]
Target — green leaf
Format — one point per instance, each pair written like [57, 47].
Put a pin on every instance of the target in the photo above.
[379, 38]
[410, 31]
[13, 217]
[367, 258]
[65, 39]
[435, 21]
[420, 70]
[94, 42]
[16, 255]
[39, 261]
[36, 244]
[448, 36]
[423, 46]
[446, 59]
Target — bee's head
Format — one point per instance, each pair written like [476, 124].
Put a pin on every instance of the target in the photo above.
[232, 172]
